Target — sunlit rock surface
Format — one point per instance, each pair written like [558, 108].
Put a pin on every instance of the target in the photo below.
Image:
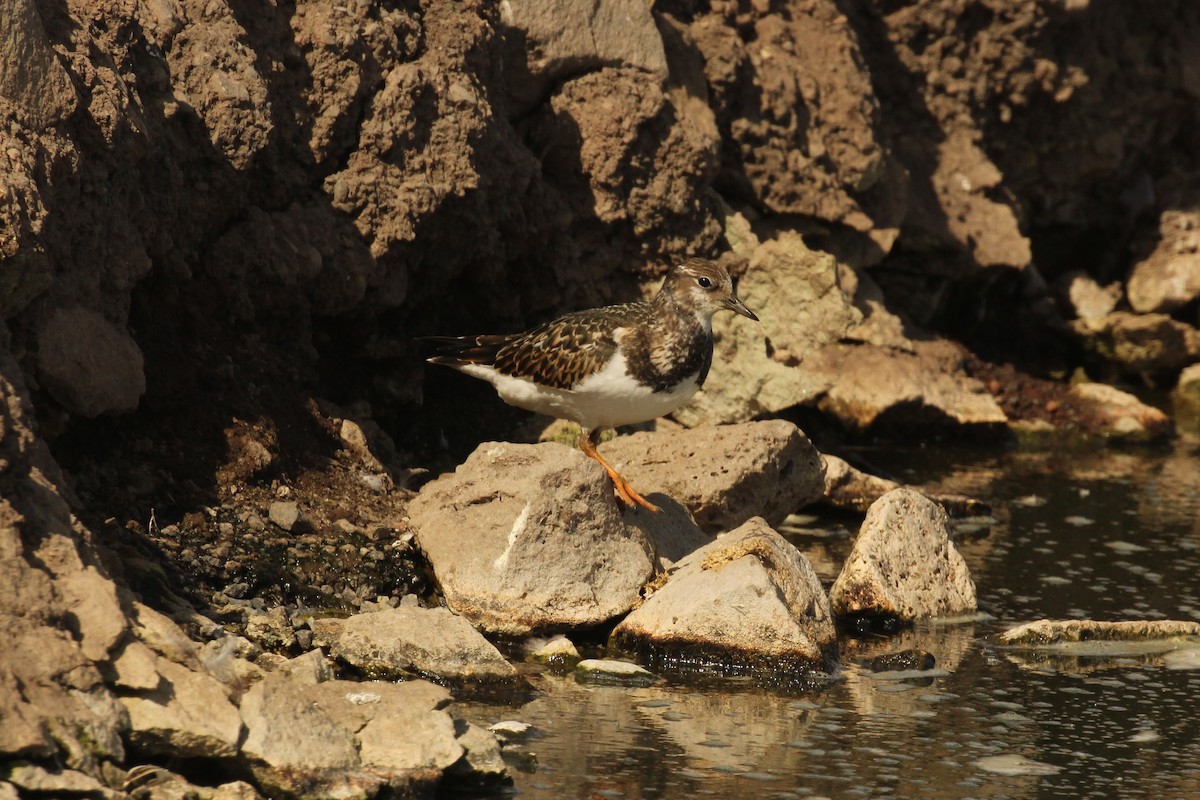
[903, 564]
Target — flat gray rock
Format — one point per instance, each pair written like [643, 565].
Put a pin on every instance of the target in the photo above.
[409, 640]
[528, 538]
[724, 475]
[903, 564]
[749, 599]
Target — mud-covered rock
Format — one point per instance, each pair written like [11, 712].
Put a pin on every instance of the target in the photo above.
[525, 538]
[903, 564]
[726, 474]
[747, 602]
[413, 641]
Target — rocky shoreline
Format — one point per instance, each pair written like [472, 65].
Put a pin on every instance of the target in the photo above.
[249, 547]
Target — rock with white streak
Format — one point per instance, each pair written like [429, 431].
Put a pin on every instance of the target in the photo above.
[748, 600]
[903, 564]
[528, 538]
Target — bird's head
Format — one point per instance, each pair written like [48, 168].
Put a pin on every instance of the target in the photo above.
[704, 287]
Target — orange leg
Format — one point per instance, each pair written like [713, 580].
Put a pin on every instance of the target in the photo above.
[587, 444]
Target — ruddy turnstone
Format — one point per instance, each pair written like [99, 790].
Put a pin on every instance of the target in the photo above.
[608, 366]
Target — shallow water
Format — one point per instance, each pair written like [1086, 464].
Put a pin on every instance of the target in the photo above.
[1103, 535]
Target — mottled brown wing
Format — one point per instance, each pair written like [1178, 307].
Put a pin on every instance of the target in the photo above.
[564, 351]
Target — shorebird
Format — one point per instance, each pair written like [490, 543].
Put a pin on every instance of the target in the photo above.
[608, 366]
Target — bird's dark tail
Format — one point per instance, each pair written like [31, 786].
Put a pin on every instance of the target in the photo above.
[458, 350]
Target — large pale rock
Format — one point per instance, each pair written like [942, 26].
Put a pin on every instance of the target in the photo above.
[90, 366]
[1169, 277]
[903, 564]
[825, 339]
[407, 641]
[759, 368]
[345, 739]
[565, 40]
[529, 537]
[186, 715]
[727, 474]
[923, 383]
[1140, 343]
[748, 600]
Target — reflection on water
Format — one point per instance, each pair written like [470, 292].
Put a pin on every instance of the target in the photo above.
[1098, 535]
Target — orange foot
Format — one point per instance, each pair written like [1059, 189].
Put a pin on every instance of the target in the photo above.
[624, 491]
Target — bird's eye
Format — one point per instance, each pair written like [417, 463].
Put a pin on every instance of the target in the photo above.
[705, 283]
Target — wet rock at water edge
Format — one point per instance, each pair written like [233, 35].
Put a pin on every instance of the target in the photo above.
[851, 489]
[748, 602]
[1050, 633]
[611, 672]
[903, 565]
[529, 538]
[1115, 414]
[559, 653]
[724, 474]
[411, 641]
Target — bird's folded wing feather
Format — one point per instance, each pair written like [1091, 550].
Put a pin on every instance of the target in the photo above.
[563, 352]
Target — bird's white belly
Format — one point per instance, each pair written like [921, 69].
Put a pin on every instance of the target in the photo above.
[607, 398]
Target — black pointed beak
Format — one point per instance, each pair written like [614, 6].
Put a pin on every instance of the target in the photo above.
[733, 304]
